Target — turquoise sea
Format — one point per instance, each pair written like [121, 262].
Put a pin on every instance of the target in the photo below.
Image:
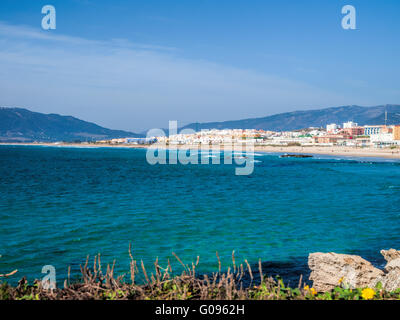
[60, 204]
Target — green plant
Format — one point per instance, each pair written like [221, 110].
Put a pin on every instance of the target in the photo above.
[162, 285]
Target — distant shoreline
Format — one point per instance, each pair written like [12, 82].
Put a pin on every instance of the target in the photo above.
[314, 150]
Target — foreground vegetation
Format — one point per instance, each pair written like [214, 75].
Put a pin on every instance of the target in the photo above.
[161, 285]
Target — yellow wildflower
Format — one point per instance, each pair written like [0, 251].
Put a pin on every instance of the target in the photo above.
[368, 294]
[313, 291]
[341, 280]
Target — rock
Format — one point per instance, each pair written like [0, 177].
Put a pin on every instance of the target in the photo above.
[328, 270]
[391, 280]
[393, 264]
[295, 156]
[390, 254]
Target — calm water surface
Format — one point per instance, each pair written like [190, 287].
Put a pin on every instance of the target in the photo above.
[58, 205]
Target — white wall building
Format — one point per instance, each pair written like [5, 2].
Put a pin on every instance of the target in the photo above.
[350, 124]
[332, 127]
[382, 139]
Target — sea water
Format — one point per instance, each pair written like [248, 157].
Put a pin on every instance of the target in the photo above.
[58, 205]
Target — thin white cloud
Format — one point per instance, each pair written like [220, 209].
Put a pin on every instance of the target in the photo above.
[29, 33]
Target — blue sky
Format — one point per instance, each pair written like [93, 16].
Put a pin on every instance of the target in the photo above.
[134, 65]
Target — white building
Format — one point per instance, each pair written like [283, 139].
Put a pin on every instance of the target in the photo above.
[332, 127]
[383, 139]
[372, 130]
[350, 124]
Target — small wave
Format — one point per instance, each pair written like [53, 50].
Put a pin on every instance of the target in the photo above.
[246, 155]
[250, 154]
[212, 152]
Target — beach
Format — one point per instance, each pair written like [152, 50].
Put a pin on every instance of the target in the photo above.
[335, 151]
[313, 150]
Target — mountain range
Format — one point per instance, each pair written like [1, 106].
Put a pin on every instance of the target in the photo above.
[22, 125]
[296, 120]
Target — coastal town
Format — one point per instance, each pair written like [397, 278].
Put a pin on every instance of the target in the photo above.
[348, 134]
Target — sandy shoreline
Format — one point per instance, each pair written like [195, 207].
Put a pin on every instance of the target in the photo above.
[314, 150]
[336, 151]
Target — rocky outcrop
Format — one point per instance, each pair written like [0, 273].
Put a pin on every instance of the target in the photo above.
[391, 280]
[296, 156]
[390, 255]
[328, 270]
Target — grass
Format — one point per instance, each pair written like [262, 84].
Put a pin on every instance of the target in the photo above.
[162, 285]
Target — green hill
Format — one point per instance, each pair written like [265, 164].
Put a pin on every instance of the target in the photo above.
[22, 125]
